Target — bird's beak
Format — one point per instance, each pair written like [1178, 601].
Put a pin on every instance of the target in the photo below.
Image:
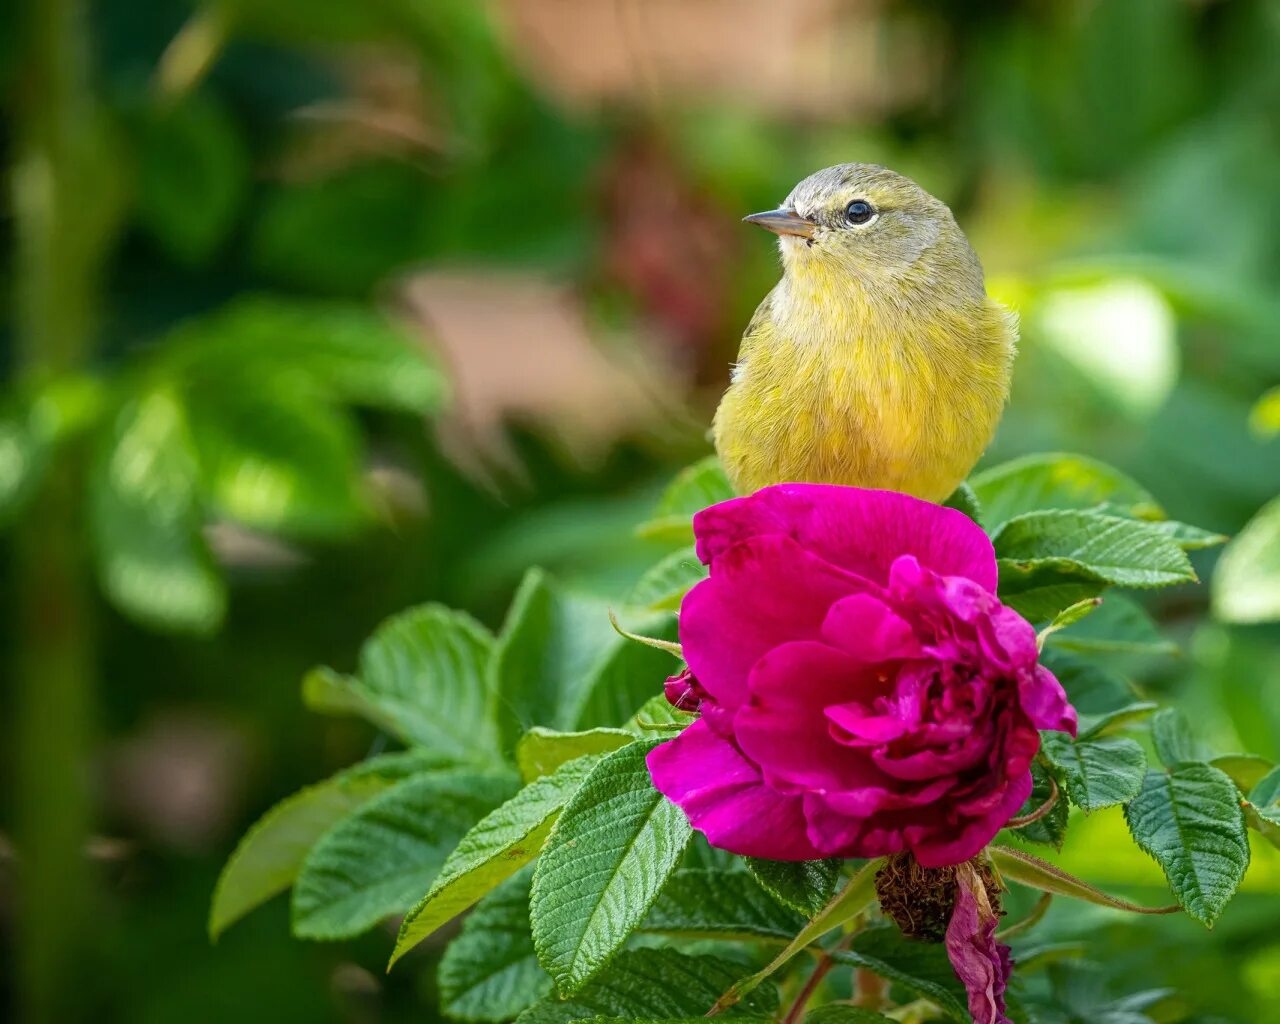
[782, 222]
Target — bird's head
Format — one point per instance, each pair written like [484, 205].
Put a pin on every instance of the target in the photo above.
[872, 226]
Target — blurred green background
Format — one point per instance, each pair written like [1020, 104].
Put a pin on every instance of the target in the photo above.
[315, 309]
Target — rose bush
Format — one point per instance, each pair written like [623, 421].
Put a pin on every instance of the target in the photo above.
[862, 690]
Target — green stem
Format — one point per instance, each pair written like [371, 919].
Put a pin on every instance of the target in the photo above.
[60, 198]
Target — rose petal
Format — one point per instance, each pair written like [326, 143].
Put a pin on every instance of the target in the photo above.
[867, 628]
[764, 592]
[945, 843]
[1045, 701]
[982, 963]
[860, 530]
[783, 730]
[725, 798]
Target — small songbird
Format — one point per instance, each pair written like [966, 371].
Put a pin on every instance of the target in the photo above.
[878, 360]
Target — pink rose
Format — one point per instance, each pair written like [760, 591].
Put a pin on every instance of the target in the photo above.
[861, 689]
[979, 960]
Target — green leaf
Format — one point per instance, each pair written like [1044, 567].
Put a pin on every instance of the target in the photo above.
[858, 894]
[696, 487]
[347, 351]
[657, 719]
[1266, 794]
[1103, 724]
[1106, 549]
[1246, 770]
[1097, 773]
[965, 499]
[379, 860]
[607, 858]
[922, 968]
[558, 663]
[663, 586]
[1262, 809]
[267, 859]
[500, 844]
[1174, 740]
[710, 904]
[541, 751]
[1187, 537]
[658, 984]
[145, 519]
[1038, 874]
[276, 456]
[1246, 583]
[806, 885]
[423, 679]
[1039, 593]
[489, 973]
[1092, 689]
[1069, 616]
[1190, 822]
[1056, 481]
[1119, 626]
[189, 150]
[843, 1013]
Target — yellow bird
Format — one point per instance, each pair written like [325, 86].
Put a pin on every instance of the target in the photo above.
[878, 360]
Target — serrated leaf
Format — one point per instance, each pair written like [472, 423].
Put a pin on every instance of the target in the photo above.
[1246, 770]
[1097, 773]
[652, 984]
[922, 968]
[1038, 874]
[607, 858]
[664, 585]
[1188, 537]
[1056, 480]
[267, 859]
[423, 679]
[1174, 740]
[1189, 820]
[696, 487]
[145, 519]
[1262, 810]
[558, 663]
[501, 843]
[541, 751]
[379, 860]
[276, 456]
[1246, 583]
[489, 973]
[806, 885]
[1107, 549]
[1119, 626]
[710, 904]
[858, 894]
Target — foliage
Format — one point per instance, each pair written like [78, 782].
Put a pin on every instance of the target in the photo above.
[606, 848]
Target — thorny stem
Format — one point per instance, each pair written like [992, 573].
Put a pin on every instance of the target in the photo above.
[1040, 811]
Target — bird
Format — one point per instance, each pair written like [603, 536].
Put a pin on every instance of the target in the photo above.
[878, 360]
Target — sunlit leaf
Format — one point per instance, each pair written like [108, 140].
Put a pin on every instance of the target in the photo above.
[1246, 584]
[607, 858]
[541, 751]
[1190, 821]
[1056, 480]
[1097, 773]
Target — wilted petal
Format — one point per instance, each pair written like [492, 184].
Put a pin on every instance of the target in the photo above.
[982, 963]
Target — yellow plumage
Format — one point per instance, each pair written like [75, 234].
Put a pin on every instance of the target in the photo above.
[878, 360]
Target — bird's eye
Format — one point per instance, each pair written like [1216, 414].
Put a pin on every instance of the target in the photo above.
[859, 211]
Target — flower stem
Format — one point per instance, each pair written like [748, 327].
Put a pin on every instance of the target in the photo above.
[1040, 811]
[796, 1012]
